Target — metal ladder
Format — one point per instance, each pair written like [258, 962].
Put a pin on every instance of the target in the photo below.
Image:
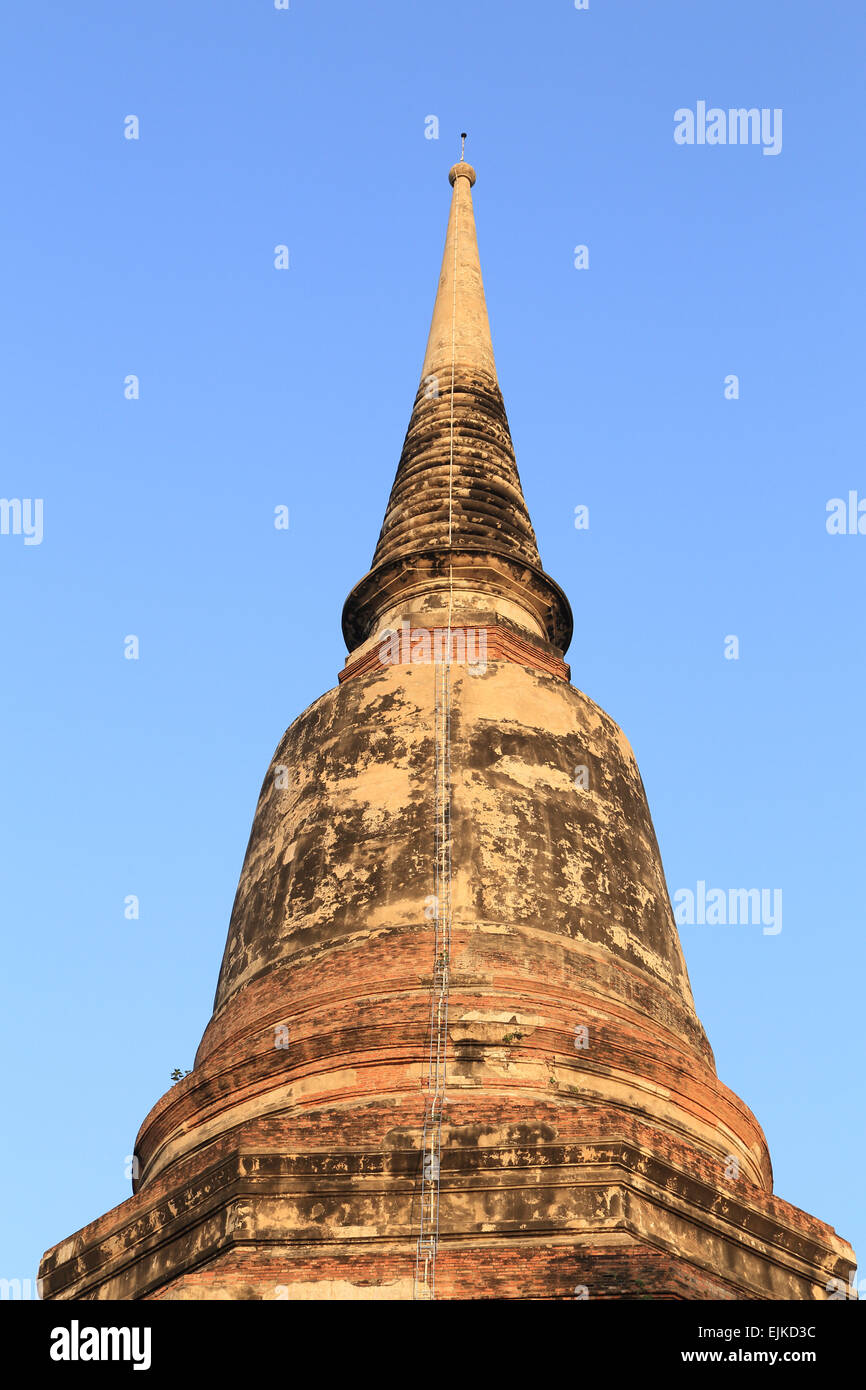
[431, 1139]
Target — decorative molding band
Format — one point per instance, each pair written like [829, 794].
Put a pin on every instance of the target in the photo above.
[470, 646]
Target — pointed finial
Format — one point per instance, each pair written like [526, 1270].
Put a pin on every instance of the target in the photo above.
[462, 167]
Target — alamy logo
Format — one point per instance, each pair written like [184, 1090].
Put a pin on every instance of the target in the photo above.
[838, 1289]
[735, 126]
[76, 1343]
[20, 1288]
[465, 646]
[22, 516]
[731, 908]
[846, 518]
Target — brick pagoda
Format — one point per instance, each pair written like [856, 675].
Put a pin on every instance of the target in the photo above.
[454, 1051]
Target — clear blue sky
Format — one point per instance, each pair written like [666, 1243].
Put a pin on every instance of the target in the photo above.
[261, 387]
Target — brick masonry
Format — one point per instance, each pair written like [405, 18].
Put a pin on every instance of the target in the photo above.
[588, 1145]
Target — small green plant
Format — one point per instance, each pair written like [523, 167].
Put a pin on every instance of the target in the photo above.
[178, 1075]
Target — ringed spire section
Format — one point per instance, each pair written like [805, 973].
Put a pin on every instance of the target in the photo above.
[457, 515]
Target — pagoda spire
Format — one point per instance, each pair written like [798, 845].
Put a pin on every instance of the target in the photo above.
[457, 517]
[459, 337]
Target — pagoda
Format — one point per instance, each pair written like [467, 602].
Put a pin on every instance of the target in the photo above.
[454, 1052]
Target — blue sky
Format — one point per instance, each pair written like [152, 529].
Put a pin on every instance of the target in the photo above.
[261, 387]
